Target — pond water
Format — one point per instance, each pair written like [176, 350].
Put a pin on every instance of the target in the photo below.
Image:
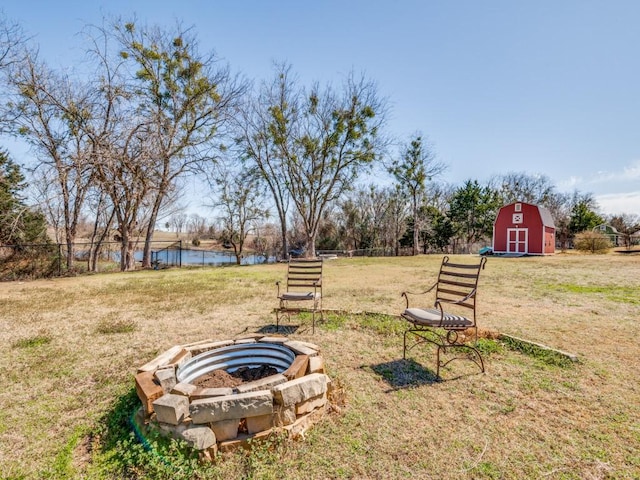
[202, 257]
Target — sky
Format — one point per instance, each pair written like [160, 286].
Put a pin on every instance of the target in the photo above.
[545, 87]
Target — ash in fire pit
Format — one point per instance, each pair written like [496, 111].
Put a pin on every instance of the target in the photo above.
[222, 378]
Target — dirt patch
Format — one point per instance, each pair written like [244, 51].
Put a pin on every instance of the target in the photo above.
[82, 453]
[224, 379]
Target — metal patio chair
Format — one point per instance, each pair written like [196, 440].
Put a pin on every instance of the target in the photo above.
[453, 315]
[302, 290]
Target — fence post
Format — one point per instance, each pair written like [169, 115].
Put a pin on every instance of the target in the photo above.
[180, 261]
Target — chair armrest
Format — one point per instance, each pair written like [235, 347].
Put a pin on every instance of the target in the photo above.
[407, 293]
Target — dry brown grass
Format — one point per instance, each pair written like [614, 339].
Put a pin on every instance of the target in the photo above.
[71, 347]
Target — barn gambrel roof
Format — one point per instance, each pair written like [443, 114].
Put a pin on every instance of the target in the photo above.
[545, 213]
[547, 218]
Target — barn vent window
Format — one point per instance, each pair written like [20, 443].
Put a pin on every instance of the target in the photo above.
[518, 207]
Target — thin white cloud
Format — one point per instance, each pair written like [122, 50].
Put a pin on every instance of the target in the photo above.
[616, 191]
[619, 203]
[632, 172]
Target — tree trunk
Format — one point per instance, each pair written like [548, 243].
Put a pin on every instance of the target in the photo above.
[98, 245]
[146, 254]
[310, 250]
[416, 229]
[283, 232]
[127, 259]
[70, 248]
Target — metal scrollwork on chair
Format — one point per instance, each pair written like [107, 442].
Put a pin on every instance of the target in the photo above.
[452, 316]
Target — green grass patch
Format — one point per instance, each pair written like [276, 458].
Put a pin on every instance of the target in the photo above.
[34, 341]
[487, 346]
[109, 326]
[614, 293]
[123, 452]
[544, 355]
[382, 324]
[334, 321]
[62, 466]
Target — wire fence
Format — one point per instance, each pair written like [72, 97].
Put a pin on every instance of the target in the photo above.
[366, 252]
[22, 262]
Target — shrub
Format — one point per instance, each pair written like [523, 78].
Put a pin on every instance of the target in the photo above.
[590, 241]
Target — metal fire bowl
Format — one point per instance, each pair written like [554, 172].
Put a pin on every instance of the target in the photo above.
[233, 357]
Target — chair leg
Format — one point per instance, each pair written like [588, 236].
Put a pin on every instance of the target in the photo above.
[475, 356]
[442, 343]
[279, 314]
[422, 337]
[404, 345]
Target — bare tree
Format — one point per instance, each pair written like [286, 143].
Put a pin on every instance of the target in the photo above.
[255, 136]
[43, 188]
[374, 217]
[415, 167]
[364, 218]
[186, 97]
[240, 203]
[523, 187]
[104, 215]
[12, 41]
[266, 239]
[324, 139]
[197, 225]
[560, 205]
[123, 171]
[12, 38]
[397, 218]
[178, 222]
[46, 110]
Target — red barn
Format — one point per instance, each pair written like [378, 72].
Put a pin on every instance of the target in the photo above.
[523, 228]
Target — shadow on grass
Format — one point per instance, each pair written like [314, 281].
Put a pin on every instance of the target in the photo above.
[403, 373]
[281, 329]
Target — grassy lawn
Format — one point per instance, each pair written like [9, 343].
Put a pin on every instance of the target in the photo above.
[71, 347]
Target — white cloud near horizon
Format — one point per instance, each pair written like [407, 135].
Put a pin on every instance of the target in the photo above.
[629, 173]
[619, 203]
[616, 191]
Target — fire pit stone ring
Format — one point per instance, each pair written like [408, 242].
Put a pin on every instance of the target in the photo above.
[182, 395]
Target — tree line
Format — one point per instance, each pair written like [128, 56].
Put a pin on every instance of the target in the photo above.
[114, 140]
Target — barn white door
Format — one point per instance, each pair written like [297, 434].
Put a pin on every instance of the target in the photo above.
[517, 240]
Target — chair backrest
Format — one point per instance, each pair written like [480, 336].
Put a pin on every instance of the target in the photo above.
[458, 282]
[304, 274]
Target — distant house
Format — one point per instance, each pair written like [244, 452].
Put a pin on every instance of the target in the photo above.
[615, 237]
[524, 229]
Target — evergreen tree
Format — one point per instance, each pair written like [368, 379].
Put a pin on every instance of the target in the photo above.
[583, 216]
[19, 225]
[472, 211]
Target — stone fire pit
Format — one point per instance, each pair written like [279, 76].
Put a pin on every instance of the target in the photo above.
[184, 396]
